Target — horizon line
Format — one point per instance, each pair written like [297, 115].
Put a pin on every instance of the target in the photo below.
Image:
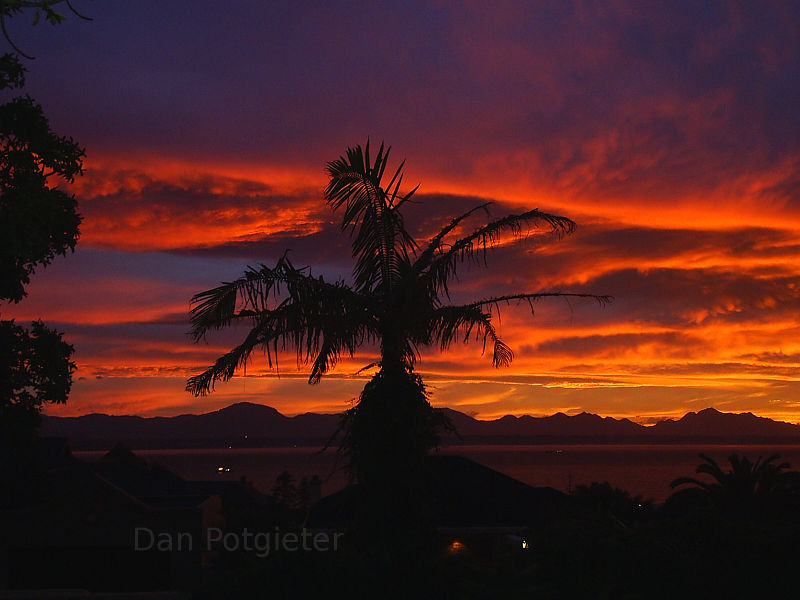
[652, 420]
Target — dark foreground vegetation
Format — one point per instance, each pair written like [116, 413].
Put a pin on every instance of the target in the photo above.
[731, 536]
[730, 533]
[698, 556]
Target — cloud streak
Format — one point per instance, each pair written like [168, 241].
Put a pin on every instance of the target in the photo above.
[669, 133]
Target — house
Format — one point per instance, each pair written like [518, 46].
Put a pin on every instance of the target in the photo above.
[475, 508]
[119, 524]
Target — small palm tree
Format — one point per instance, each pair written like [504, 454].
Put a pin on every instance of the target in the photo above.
[748, 488]
[396, 301]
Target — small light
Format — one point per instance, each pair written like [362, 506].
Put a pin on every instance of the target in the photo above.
[456, 547]
[220, 469]
[525, 544]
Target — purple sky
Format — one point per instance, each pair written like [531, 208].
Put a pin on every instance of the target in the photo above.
[670, 133]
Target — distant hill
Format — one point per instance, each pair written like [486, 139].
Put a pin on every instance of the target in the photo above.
[250, 425]
[240, 425]
[711, 422]
[559, 424]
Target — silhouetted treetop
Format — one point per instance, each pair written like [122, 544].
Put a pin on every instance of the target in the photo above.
[9, 8]
[37, 220]
[35, 366]
[399, 289]
[398, 302]
[747, 489]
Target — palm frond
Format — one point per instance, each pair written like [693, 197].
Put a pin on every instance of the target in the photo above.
[450, 323]
[475, 245]
[530, 298]
[381, 242]
[287, 307]
[692, 481]
[768, 475]
[711, 467]
[218, 307]
[447, 323]
[245, 297]
[225, 366]
[435, 243]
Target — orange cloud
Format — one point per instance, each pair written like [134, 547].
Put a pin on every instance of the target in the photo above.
[690, 304]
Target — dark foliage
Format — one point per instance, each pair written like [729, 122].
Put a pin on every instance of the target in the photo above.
[37, 221]
[583, 557]
[35, 368]
[606, 499]
[12, 73]
[9, 8]
[748, 490]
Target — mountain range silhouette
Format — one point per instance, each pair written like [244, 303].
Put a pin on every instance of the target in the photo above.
[249, 425]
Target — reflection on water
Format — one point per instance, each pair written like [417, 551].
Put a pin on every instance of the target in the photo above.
[639, 469]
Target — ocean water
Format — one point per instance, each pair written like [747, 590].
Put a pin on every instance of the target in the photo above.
[640, 469]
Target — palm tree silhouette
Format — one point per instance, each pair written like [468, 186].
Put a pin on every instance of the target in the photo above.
[748, 488]
[396, 300]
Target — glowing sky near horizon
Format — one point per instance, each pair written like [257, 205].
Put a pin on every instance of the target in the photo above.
[670, 133]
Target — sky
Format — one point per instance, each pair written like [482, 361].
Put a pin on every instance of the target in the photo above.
[668, 132]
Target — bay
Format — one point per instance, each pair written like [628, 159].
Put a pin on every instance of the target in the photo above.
[645, 469]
